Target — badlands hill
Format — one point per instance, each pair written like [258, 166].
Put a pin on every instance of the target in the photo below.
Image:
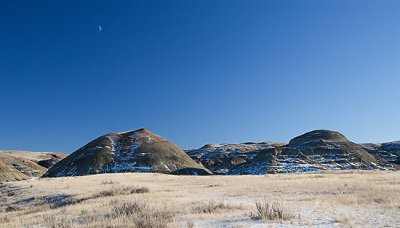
[390, 151]
[21, 165]
[45, 159]
[220, 158]
[133, 151]
[144, 151]
[312, 151]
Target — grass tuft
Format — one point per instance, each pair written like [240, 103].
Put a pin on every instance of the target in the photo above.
[122, 191]
[107, 182]
[142, 215]
[212, 207]
[272, 211]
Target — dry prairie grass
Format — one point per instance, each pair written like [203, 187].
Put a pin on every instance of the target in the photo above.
[366, 199]
[212, 207]
[121, 191]
[273, 211]
[143, 216]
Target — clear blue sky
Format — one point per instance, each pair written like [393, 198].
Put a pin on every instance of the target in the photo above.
[197, 72]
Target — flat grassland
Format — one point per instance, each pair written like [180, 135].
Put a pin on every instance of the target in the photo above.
[327, 199]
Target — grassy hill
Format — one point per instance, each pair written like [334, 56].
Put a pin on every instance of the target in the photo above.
[18, 168]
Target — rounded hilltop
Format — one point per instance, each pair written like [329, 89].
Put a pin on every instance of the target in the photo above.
[327, 135]
[132, 151]
[140, 135]
[140, 130]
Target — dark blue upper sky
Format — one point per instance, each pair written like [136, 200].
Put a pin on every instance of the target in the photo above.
[197, 72]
